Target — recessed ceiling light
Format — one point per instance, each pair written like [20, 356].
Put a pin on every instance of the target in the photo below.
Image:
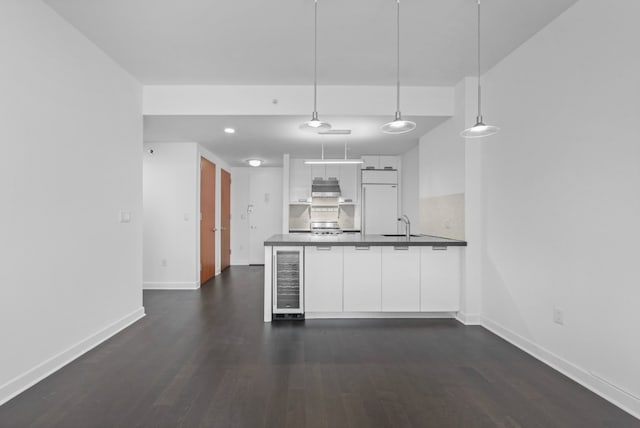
[254, 162]
[229, 130]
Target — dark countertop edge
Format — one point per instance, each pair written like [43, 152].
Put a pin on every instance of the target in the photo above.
[366, 244]
[451, 243]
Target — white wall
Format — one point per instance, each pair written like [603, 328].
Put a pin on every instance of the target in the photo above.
[249, 187]
[442, 153]
[562, 196]
[71, 161]
[265, 193]
[239, 216]
[171, 215]
[410, 188]
[450, 198]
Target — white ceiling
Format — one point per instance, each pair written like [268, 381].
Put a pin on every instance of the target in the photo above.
[269, 41]
[268, 137]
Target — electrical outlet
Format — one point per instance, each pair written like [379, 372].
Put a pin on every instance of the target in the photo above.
[558, 316]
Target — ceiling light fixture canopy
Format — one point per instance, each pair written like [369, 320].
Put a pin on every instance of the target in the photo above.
[398, 125]
[480, 129]
[254, 162]
[315, 124]
[229, 130]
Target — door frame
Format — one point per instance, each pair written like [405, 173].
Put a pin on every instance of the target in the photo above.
[223, 248]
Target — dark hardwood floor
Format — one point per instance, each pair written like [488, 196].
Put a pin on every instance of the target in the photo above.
[205, 359]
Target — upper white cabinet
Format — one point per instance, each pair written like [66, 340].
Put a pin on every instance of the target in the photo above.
[332, 171]
[389, 162]
[302, 175]
[400, 279]
[323, 278]
[440, 279]
[299, 180]
[371, 162]
[348, 175]
[362, 279]
[380, 162]
[318, 171]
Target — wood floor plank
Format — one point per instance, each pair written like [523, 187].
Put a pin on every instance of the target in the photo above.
[205, 358]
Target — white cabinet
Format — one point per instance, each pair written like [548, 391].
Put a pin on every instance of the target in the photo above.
[362, 279]
[440, 279]
[379, 177]
[371, 162]
[380, 162]
[349, 181]
[389, 162]
[332, 171]
[323, 278]
[318, 171]
[401, 279]
[299, 180]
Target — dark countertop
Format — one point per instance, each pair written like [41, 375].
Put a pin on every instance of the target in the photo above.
[349, 239]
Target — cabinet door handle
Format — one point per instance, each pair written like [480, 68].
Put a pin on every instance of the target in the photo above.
[439, 248]
[325, 248]
[362, 248]
[401, 248]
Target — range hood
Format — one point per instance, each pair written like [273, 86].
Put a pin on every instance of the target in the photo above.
[325, 188]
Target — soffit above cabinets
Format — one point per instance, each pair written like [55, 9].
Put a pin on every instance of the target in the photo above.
[269, 137]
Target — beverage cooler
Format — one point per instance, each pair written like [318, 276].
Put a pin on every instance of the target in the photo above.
[288, 282]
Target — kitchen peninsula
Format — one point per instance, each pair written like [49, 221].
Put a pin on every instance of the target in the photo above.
[351, 275]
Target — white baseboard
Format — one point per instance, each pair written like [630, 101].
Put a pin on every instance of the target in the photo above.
[400, 315]
[241, 262]
[170, 285]
[592, 382]
[32, 376]
[469, 319]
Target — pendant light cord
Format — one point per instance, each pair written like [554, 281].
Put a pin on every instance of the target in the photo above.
[398, 58]
[315, 56]
[479, 89]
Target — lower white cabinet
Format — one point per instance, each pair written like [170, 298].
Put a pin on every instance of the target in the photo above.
[401, 279]
[362, 279]
[440, 279]
[382, 279]
[323, 278]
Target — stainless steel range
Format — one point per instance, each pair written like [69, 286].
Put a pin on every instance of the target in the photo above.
[325, 208]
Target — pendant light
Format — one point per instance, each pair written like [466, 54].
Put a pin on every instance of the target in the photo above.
[480, 129]
[315, 124]
[398, 125]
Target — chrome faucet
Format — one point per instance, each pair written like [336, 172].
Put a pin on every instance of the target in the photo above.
[407, 225]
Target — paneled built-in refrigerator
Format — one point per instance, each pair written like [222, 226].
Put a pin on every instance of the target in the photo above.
[379, 202]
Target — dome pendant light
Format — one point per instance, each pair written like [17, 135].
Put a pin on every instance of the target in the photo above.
[315, 124]
[480, 129]
[398, 125]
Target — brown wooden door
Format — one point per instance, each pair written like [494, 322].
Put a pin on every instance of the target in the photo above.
[208, 220]
[225, 219]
